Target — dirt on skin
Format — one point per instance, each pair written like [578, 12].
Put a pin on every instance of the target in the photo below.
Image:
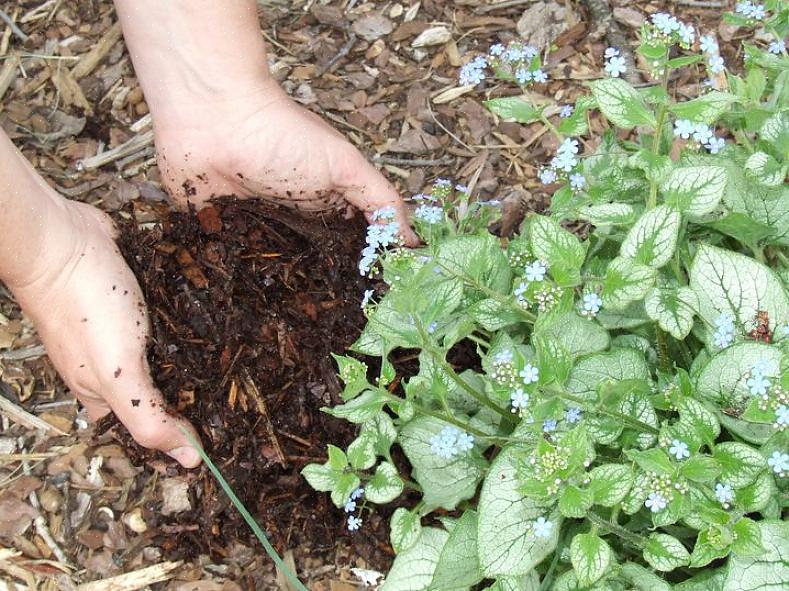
[247, 302]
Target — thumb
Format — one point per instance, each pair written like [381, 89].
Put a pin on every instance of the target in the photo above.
[369, 191]
[140, 407]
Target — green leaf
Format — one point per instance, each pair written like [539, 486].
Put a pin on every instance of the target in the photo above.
[610, 483]
[552, 358]
[445, 482]
[594, 370]
[765, 169]
[493, 315]
[708, 580]
[695, 190]
[458, 566]
[590, 556]
[723, 379]
[626, 282]
[517, 108]
[653, 238]
[530, 582]
[574, 502]
[621, 103]
[665, 553]
[776, 131]
[711, 544]
[385, 485]
[382, 426]
[651, 460]
[705, 109]
[345, 485]
[361, 451]
[700, 469]
[643, 579]
[730, 283]
[320, 477]
[353, 373]
[413, 568]
[360, 409]
[756, 496]
[684, 60]
[673, 309]
[608, 214]
[477, 259]
[742, 227]
[747, 538]
[506, 545]
[578, 336]
[740, 463]
[560, 249]
[404, 529]
[768, 572]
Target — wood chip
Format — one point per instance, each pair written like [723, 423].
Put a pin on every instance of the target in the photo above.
[134, 580]
[90, 60]
[21, 416]
[8, 74]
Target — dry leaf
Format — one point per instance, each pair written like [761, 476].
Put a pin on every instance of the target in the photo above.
[432, 36]
[175, 496]
[372, 27]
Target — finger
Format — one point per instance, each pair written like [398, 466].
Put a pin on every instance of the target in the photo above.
[140, 407]
[369, 191]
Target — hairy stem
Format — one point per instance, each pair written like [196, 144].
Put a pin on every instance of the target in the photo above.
[661, 118]
[614, 528]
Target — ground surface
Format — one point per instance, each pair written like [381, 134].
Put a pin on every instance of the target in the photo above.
[247, 302]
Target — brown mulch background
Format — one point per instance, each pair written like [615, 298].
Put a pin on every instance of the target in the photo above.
[247, 302]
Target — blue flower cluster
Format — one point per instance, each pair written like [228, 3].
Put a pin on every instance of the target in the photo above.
[670, 29]
[777, 47]
[564, 164]
[513, 61]
[379, 236]
[615, 64]
[699, 132]
[724, 331]
[450, 442]
[473, 73]
[591, 304]
[354, 521]
[709, 47]
[429, 214]
[751, 10]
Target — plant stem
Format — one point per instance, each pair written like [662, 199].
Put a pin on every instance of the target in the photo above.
[627, 419]
[614, 528]
[480, 341]
[551, 127]
[452, 420]
[662, 349]
[656, 139]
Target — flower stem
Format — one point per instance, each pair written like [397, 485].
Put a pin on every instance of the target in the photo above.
[661, 118]
[614, 528]
[452, 420]
[551, 127]
[627, 419]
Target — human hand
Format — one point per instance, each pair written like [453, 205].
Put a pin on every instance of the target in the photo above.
[91, 316]
[266, 145]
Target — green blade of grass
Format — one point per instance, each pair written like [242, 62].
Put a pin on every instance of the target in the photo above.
[259, 533]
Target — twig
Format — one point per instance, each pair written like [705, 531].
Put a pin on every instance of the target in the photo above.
[91, 59]
[21, 416]
[137, 579]
[701, 3]
[8, 74]
[32, 352]
[452, 135]
[253, 391]
[407, 162]
[499, 5]
[13, 26]
[125, 149]
[42, 529]
[344, 50]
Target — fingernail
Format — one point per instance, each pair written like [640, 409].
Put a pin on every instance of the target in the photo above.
[186, 456]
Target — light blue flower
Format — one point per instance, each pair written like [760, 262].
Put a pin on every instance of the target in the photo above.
[503, 357]
[471, 74]
[592, 304]
[567, 111]
[496, 50]
[679, 449]
[782, 416]
[354, 523]
[724, 494]
[529, 52]
[758, 384]
[385, 213]
[542, 528]
[536, 270]
[429, 214]
[708, 44]
[569, 146]
[715, 145]
[572, 415]
[615, 66]
[702, 133]
[611, 52]
[461, 188]
[777, 47]
[684, 128]
[350, 506]
[522, 75]
[779, 462]
[716, 64]
[519, 400]
[687, 34]
[577, 181]
[357, 494]
[539, 76]
[722, 338]
[465, 442]
[514, 53]
[442, 183]
[530, 374]
[565, 161]
[655, 502]
[547, 176]
[549, 425]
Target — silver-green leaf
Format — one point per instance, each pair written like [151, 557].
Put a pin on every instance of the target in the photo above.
[413, 569]
[653, 238]
[626, 282]
[695, 190]
[673, 309]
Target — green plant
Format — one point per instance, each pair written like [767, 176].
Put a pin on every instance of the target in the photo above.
[626, 425]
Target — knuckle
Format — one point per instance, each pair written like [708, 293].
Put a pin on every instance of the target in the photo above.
[147, 432]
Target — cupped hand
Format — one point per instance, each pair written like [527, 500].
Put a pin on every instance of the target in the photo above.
[91, 316]
[266, 145]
